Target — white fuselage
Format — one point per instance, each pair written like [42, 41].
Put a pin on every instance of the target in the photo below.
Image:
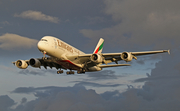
[56, 48]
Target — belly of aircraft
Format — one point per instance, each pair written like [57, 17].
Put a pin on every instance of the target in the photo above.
[68, 65]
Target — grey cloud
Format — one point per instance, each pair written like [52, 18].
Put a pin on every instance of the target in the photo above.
[140, 62]
[28, 90]
[6, 103]
[68, 98]
[13, 41]
[165, 70]
[78, 13]
[163, 83]
[67, 9]
[40, 72]
[24, 100]
[158, 78]
[101, 75]
[31, 72]
[37, 15]
[83, 83]
[111, 95]
[24, 90]
[145, 22]
[156, 94]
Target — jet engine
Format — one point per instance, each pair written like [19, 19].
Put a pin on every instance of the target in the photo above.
[126, 56]
[96, 58]
[21, 64]
[34, 62]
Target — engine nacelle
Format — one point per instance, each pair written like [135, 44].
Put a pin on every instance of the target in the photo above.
[96, 58]
[126, 56]
[34, 62]
[21, 64]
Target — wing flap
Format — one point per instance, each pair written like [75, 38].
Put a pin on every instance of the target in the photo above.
[113, 65]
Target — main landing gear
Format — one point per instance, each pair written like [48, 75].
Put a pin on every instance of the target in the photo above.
[60, 72]
[69, 72]
[81, 71]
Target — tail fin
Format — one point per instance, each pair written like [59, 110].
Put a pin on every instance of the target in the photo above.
[99, 46]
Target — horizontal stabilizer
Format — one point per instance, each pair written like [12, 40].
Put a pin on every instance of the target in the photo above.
[113, 65]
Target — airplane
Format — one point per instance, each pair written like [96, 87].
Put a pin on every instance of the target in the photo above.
[64, 56]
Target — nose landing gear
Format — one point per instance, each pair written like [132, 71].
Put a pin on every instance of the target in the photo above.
[44, 55]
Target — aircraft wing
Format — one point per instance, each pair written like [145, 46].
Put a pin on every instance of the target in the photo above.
[135, 53]
[99, 58]
[126, 56]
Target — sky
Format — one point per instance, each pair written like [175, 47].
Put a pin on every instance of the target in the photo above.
[150, 83]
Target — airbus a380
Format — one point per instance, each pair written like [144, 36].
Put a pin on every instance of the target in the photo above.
[64, 56]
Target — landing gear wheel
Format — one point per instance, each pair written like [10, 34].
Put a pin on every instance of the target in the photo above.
[72, 72]
[79, 72]
[67, 72]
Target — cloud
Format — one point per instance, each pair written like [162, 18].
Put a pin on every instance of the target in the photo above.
[40, 90]
[160, 92]
[140, 23]
[30, 71]
[83, 83]
[6, 103]
[163, 83]
[13, 41]
[66, 98]
[34, 71]
[24, 100]
[47, 89]
[102, 75]
[37, 15]
[28, 90]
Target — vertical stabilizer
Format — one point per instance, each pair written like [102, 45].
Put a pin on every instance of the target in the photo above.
[99, 46]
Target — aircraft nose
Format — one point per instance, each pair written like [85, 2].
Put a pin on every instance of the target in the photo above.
[40, 46]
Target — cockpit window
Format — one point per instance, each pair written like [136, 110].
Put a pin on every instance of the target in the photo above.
[43, 40]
